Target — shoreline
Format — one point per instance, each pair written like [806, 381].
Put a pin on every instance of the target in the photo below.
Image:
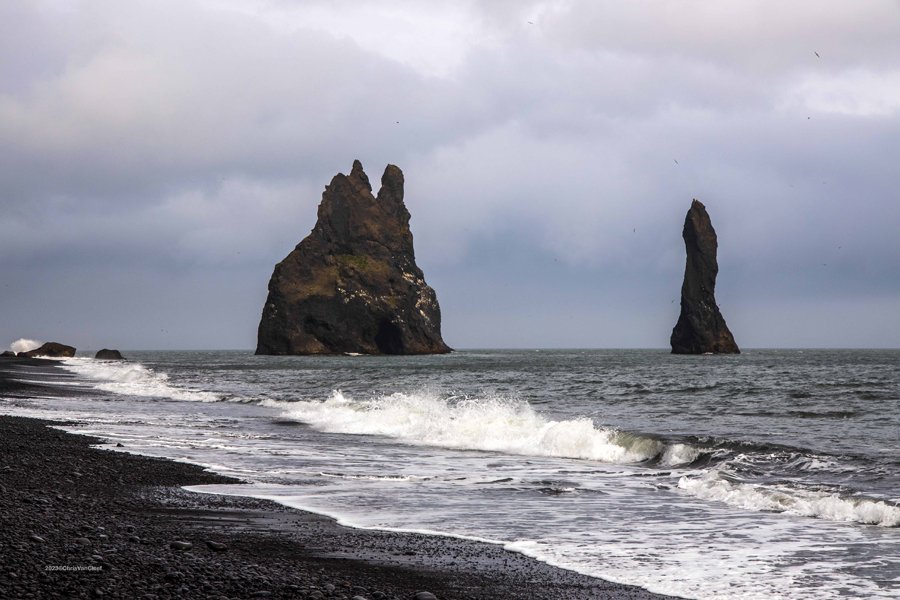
[84, 522]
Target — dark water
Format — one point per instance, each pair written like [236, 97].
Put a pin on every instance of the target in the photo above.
[772, 474]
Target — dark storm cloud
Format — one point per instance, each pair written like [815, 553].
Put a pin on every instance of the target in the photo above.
[551, 150]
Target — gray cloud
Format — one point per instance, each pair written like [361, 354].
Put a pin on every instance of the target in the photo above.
[167, 154]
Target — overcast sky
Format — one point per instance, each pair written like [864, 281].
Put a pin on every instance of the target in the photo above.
[158, 157]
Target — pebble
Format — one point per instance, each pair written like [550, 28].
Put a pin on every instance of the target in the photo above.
[179, 545]
[37, 538]
[82, 541]
[424, 596]
[217, 546]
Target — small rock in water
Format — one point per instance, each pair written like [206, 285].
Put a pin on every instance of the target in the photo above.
[179, 545]
[424, 596]
[107, 354]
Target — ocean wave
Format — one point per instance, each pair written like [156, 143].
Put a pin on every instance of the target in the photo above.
[133, 379]
[831, 506]
[491, 423]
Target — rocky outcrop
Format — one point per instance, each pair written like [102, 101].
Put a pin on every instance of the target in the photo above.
[51, 350]
[700, 328]
[107, 354]
[8, 354]
[352, 285]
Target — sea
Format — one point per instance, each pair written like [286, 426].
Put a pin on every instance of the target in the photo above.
[769, 474]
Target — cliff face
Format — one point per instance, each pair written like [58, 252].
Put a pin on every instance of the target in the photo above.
[352, 285]
[700, 328]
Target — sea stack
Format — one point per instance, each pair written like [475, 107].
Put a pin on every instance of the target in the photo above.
[700, 328]
[352, 285]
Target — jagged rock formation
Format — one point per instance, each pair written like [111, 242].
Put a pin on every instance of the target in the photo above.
[107, 354]
[700, 328]
[352, 285]
[52, 350]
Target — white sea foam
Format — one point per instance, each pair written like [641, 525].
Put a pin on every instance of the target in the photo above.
[24, 345]
[679, 454]
[806, 503]
[400, 478]
[492, 424]
[133, 379]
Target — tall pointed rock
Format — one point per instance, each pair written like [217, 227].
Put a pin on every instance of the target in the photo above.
[700, 328]
[352, 285]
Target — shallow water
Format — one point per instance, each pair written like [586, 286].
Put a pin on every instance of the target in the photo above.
[774, 473]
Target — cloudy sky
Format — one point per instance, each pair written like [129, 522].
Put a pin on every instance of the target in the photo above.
[158, 157]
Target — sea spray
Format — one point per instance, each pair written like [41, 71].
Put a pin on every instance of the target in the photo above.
[24, 345]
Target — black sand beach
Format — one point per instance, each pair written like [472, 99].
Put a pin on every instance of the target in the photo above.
[81, 522]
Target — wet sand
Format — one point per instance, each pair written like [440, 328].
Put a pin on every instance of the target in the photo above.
[83, 522]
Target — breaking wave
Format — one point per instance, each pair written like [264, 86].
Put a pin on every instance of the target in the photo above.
[790, 500]
[490, 424]
[133, 379]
